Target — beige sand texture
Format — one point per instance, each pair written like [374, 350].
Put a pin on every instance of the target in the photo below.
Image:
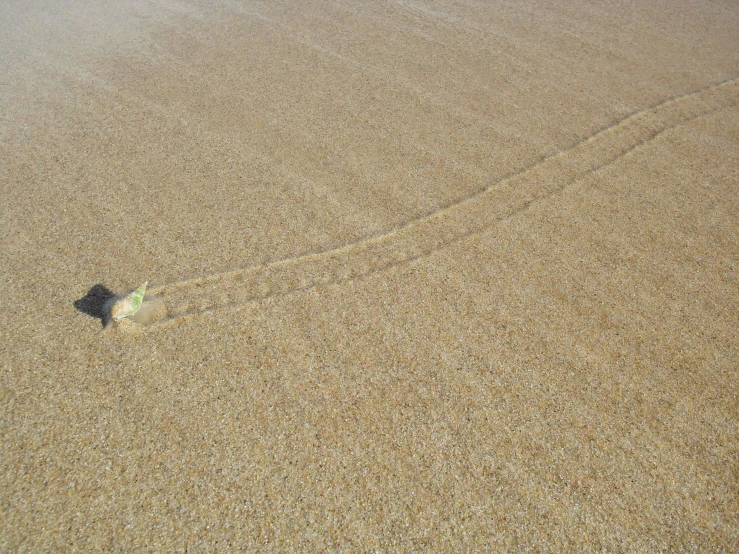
[440, 276]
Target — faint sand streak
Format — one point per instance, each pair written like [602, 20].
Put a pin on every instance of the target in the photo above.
[431, 232]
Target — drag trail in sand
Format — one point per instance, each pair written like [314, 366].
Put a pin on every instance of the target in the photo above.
[440, 228]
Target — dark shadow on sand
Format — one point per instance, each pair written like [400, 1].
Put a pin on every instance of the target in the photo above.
[93, 302]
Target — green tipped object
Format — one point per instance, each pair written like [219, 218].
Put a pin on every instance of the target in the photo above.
[129, 304]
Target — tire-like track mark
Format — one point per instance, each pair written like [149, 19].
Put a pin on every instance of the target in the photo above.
[431, 232]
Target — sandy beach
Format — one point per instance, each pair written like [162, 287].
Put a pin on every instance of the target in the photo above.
[439, 276]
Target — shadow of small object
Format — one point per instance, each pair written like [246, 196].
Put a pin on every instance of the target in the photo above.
[93, 302]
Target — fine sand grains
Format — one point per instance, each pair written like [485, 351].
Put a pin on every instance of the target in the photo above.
[439, 276]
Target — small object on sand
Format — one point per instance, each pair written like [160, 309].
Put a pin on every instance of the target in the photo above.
[125, 306]
[132, 308]
[128, 304]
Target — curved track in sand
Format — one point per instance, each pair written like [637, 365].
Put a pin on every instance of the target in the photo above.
[426, 234]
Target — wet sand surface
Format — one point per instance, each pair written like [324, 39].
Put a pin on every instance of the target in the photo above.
[438, 276]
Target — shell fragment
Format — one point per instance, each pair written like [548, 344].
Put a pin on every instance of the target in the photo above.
[128, 304]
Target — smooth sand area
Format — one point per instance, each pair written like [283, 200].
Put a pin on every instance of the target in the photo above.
[439, 276]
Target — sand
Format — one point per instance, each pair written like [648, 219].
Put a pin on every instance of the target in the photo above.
[439, 276]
